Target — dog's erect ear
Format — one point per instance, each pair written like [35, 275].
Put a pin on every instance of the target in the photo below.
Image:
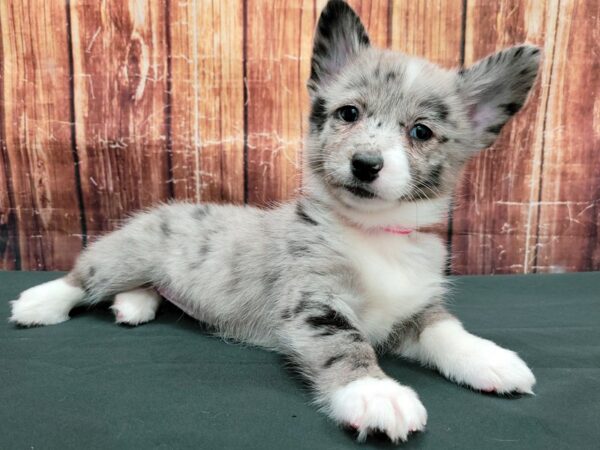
[339, 37]
[496, 87]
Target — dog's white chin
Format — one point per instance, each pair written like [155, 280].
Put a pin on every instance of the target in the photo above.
[378, 212]
[351, 201]
[409, 214]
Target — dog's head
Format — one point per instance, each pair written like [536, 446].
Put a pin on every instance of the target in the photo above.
[389, 133]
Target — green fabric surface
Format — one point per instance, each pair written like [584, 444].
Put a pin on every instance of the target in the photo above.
[89, 383]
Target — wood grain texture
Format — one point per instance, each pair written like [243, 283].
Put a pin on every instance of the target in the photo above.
[39, 221]
[569, 204]
[375, 15]
[120, 79]
[277, 67]
[495, 218]
[429, 29]
[207, 98]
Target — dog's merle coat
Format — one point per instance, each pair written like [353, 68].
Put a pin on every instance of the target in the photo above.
[317, 279]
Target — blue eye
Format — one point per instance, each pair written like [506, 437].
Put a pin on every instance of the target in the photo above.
[420, 132]
[348, 113]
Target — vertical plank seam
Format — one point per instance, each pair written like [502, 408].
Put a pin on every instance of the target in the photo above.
[73, 130]
[12, 220]
[463, 32]
[542, 155]
[450, 230]
[168, 99]
[246, 93]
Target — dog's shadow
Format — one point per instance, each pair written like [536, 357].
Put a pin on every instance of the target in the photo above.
[167, 314]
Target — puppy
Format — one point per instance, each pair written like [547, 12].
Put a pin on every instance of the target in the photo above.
[343, 271]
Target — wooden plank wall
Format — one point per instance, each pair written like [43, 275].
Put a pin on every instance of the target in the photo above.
[108, 107]
[119, 53]
[41, 214]
[495, 218]
[207, 99]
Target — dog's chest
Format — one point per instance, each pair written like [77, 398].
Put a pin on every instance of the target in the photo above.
[397, 277]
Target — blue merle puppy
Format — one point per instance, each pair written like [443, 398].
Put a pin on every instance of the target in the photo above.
[347, 268]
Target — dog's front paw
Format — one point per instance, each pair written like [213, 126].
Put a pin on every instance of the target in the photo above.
[371, 404]
[487, 367]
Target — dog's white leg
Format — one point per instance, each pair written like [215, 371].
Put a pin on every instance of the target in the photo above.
[468, 359]
[136, 306]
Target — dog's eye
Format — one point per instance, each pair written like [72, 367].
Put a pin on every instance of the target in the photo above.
[348, 113]
[420, 132]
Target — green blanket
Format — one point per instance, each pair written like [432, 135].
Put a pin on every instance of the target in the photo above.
[89, 383]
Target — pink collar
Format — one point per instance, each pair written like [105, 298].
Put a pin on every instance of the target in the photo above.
[395, 229]
[398, 230]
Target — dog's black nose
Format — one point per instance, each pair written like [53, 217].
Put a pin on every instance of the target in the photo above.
[366, 166]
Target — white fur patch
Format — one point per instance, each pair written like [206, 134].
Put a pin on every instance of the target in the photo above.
[471, 360]
[371, 404]
[46, 304]
[413, 70]
[407, 214]
[136, 306]
[394, 178]
[399, 276]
